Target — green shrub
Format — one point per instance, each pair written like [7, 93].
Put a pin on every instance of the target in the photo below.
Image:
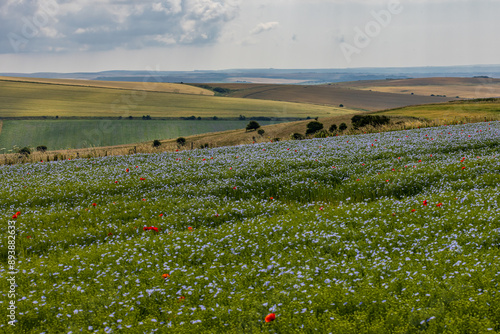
[253, 125]
[297, 136]
[41, 148]
[25, 151]
[181, 141]
[156, 143]
[333, 128]
[359, 121]
[343, 127]
[314, 127]
[261, 132]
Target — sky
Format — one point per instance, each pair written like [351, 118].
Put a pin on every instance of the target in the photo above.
[169, 35]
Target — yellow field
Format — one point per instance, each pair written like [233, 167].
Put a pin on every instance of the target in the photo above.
[151, 86]
[27, 99]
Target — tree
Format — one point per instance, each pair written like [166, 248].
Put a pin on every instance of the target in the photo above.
[41, 148]
[314, 127]
[333, 128]
[181, 141]
[341, 105]
[215, 118]
[261, 132]
[253, 125]
[343, 127]
[242, 118]
[156, 143]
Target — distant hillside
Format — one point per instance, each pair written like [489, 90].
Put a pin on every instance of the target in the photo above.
[472, 88]
[332, 95]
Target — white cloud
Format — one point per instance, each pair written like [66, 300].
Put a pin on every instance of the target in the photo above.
[263, 27]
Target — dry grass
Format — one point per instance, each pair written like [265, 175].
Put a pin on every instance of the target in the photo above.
[152, 86]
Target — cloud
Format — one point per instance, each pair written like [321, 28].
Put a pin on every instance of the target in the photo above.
[68, 25]
[263, 27]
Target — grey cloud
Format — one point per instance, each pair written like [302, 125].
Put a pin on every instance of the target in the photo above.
[64, 25]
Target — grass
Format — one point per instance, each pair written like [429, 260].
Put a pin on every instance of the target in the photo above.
[24, 99]
[375, 233]
[75, 134]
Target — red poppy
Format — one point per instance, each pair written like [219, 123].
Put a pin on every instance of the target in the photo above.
[190, 228]
[321, 208]
[463, 168]
[234, 188]
[270, 317]
[181, 298]
[116, 181]
[110, 234]
[127, 170]
[424, 203]
[161, 215]
[439, 205]
[413, 210]
[271, 198]
[28, 237]
[217, 215]
[94, 204]
[165, 276]
[142, 179]
[14, 216]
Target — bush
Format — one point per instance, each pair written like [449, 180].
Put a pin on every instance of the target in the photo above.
[156, 143]
[203, 146]
[25, 151]
[181, 141]
[253, 125]
[41, 148]
[333, 128]
[277, 139]
[321, 134]
[343, 127]
[261, 132]
[314, 127]
[359, 121]
[297, 136]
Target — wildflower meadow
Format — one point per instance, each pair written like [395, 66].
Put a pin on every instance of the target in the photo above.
[395, 232]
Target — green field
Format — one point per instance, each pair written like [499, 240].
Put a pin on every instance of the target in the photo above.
[22, 99]
[394, 232]
[65, 134]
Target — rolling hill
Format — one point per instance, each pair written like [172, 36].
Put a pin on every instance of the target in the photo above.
[332, 95]
[470, 88]
[29, 99]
